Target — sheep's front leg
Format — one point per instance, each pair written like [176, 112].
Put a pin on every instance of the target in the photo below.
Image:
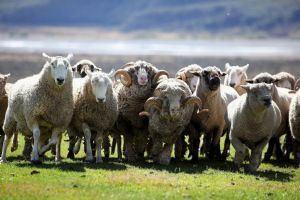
[1, 142]
[27, 148]
[87, 136]
[255, 158]
[36, 138]
[165, 156]
[156, 149]
[4, 148]
[99, 140]
[240, 150]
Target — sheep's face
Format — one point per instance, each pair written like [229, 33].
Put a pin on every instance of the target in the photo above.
[79, 70]
[235, 74]
[172, 104]
[260, 94]
[284, 83]
[100, 83]
[3, 79]
[59, 68]
[141, 76]
[210, 77]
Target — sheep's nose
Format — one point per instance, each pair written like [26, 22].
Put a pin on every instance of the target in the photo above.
[231, 84]
[60, 81]
[101, 100]
[267, 101]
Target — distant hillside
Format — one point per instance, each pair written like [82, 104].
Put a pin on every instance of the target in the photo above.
[277, 18]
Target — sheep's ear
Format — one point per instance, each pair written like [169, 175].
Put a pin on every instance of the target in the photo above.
[245, 67]
[249, 81]
[97, 68]
[6, 76]
[69, 56]
[222, 73]
[196, 73]
[48, 58]
[74, 68]
[246, 87]
[227, 66]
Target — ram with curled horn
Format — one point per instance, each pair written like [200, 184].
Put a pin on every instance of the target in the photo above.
[137, 82]
[169, 112]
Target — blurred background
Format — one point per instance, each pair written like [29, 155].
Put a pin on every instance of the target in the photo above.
[169, 34]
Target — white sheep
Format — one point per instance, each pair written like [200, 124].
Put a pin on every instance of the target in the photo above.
[236, 76]
[186, 75]
[95, 109]
[253, 119]
[215, 97]
[282, 97]
[294, 122]
[40, 104]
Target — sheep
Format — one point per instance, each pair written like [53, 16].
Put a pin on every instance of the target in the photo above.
[95, 108]
[169, 111]
[138, 80]
[285, 80]
[297, 85]
[39, 104]
[194, 135]
[80, 68]
[294, 122]
[254, 119]
[282, 97]
[236, 76]
[4, 89]
[215, 97]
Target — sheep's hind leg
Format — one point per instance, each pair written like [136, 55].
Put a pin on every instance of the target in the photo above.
[6, 141]
[14, 146]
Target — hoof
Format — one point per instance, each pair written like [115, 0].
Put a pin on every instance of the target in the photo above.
[71, 155]
[36, 162]
[99, 161]
[164, 161]
[89, 160]
[250, 170]
[13, 148]
[3, 161]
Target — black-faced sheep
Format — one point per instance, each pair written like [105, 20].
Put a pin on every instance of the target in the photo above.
[42, 101]
[215, 97]
[254, 119]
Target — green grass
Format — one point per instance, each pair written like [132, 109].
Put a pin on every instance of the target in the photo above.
[115, 180]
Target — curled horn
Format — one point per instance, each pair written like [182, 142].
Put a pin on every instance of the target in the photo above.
[193, 100]
[125, 77]
[144, 114]
[181, 76]
[297, 85]
[128, 65]
[160, 73]
[153, 102]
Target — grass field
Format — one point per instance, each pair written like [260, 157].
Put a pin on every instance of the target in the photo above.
[116, 180]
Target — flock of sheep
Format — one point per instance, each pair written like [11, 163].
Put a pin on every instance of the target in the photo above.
[152, 111]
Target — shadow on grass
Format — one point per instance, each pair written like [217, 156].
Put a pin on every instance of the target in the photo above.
[76, 165]
[204, 164]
